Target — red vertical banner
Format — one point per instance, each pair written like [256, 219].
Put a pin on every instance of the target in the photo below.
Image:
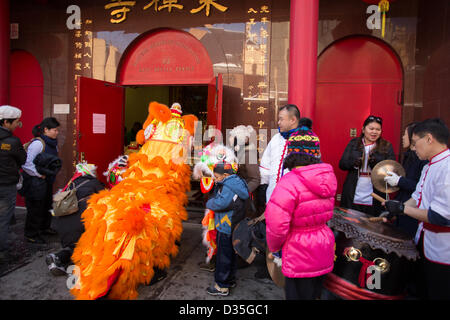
[214, 102]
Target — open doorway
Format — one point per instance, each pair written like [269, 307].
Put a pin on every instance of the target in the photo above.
[193, 100]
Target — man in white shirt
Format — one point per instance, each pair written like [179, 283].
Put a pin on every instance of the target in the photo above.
[430, 204]
[271, 165]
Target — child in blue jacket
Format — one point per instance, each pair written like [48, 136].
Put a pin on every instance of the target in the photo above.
[228, 204]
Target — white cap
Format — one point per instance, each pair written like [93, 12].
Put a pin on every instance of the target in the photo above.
[9, 112]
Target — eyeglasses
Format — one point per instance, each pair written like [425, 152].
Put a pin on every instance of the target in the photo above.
[413, 143]
[374, 118]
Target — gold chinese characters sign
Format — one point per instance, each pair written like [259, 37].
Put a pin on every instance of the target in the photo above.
[256, 69]
[82, 57]
[120, 9]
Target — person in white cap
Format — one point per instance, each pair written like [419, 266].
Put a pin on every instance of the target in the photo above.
[12, 157]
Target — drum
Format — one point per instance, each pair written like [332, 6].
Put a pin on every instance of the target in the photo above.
[373, 260]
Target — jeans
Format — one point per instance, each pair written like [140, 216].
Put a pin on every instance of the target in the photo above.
[7, 207]
[225, 261]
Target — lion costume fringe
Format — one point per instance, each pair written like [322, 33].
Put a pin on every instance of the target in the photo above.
[132, 228]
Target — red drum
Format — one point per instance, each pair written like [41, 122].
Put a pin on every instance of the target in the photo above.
[373, 259]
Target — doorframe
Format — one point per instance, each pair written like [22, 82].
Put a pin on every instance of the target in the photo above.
[217, 79]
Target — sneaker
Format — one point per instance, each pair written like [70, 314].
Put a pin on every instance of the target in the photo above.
[207, 266]
[54, 265]
[56, 270]
[218, 291]
[36, 240]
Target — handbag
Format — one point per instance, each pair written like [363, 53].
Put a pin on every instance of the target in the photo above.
[249, 238]
[65, 202]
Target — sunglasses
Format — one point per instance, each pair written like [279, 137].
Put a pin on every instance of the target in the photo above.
[374, 118]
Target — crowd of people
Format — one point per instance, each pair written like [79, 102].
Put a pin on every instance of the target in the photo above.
[30, 170]
[300, 194]
[291, 187]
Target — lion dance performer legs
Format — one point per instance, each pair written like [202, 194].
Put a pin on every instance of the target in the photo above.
[132, 228]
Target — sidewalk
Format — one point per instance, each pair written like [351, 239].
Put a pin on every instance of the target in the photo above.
[28, 278]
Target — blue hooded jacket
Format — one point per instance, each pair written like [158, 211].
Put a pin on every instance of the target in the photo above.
[221, 201]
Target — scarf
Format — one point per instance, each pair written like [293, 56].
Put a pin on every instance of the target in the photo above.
[51, 145]
[287, 134]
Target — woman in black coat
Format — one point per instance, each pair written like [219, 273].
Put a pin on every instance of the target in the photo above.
[70, 227]
[359, 158]
[413, 168]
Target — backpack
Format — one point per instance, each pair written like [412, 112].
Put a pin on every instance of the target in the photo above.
[26, 145]
[65, 202]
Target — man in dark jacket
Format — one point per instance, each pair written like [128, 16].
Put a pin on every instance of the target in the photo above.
[12, 157]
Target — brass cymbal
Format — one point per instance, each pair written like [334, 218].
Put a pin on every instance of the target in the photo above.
[274, 271]
[379, 172]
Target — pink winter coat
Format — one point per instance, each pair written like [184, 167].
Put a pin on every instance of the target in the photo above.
[296, 217]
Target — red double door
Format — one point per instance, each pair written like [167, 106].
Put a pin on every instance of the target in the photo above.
[158, 57]
[100, 119]
[357, 77]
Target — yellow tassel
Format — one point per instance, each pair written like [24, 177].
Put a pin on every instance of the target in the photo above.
[383, 7]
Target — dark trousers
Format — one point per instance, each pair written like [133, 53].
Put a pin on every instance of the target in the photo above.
[64, 256]
[38, 216]
[435, 277]
[303, 288]
[225, 261]
[7, 207]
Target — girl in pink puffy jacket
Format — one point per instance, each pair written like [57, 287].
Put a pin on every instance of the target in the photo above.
[296, 217]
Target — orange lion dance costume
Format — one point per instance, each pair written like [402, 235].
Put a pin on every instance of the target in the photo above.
[132, 228]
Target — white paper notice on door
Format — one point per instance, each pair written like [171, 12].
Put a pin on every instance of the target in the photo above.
[99, 123]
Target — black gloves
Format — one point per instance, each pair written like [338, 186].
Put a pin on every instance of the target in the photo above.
[394, 207]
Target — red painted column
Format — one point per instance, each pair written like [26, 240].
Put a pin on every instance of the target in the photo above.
[4, 51]
[304, 20]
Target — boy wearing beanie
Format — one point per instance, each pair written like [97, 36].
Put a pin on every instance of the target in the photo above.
[228, 204]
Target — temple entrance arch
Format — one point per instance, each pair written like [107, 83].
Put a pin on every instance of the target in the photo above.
[162, 65]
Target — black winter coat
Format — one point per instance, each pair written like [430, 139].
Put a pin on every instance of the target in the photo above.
[12, 157]
[70, 228]
[413, 169]
[47, 164]
[352, 152]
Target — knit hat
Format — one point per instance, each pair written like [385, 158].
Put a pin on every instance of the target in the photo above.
[304, 141]
[225, 167]
[9, 112]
